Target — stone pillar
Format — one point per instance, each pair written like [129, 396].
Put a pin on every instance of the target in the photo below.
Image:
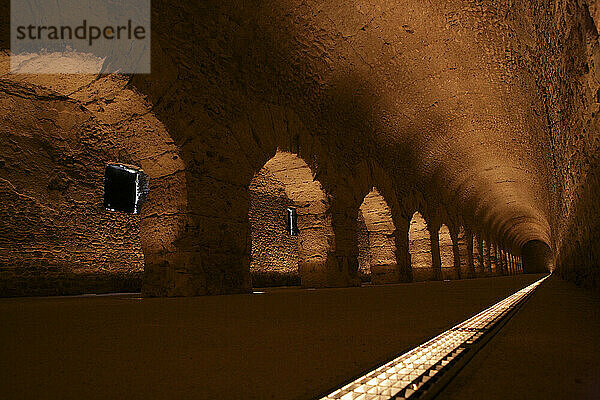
[465, 255]
[488, 258]
[494, 258]
[456, 252]
[402, 251]
[470, 258]
[436, 261]
[342, 260]
[201, 250]
[313, 251]
[480, 256]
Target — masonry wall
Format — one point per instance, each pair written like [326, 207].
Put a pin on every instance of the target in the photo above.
[340, 85]
[55, 236]
[274, 258]
[565, 55]
[362, 242]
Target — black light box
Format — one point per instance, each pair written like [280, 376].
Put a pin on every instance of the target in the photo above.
[125, 188]
[292, 221]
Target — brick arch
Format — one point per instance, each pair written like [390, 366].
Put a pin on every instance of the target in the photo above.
[376, 239]
[102, 120]
[447, 253]
[276, 255]
[419, 239]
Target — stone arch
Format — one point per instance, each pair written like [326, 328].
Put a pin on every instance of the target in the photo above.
[447, 253]
[376, 239]
[278, 256]
[419, 242]
[100, 120]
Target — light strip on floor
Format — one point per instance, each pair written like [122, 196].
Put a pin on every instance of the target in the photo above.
[407, 374]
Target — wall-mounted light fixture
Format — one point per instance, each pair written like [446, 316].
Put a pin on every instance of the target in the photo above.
[292, 221]
[125, 188]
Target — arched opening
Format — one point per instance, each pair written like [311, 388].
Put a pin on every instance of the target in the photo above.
[537, 257]
[100, 251]
[446, 254]
[376, 241]
[419, 244]
[290, 228]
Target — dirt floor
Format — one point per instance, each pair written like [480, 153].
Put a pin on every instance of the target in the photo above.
[548, 350]
[281, 344]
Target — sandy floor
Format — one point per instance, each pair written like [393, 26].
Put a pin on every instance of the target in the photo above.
[549, 350]
[283, 344]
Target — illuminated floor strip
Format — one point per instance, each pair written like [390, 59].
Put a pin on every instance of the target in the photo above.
[408, 375]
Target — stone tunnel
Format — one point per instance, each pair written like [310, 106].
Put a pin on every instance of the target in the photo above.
[345, 147]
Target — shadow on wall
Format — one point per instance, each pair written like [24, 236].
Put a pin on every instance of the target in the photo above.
[537, 257]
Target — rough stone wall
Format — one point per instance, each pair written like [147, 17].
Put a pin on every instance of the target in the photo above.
[562, 51]
[499, 124]
[502, 262]
[486, 257]
[116, 125]
[574, 108]
[478, 253]
[274, 258]
[362, 242]
[55, 236]
[494, 259]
